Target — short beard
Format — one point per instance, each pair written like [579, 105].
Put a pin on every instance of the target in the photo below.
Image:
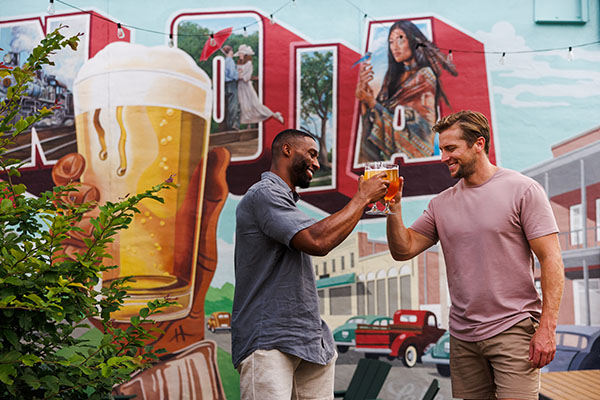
[300, 177]
[466, 170]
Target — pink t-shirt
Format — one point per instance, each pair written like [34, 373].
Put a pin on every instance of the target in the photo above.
[484, 232]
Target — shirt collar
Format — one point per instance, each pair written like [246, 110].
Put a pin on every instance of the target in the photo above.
[277, 179]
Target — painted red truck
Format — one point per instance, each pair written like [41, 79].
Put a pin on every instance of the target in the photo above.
[406, 339]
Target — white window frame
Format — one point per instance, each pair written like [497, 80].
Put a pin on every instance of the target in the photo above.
[576, 224]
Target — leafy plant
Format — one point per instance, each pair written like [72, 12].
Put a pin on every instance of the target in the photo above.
[46, 294]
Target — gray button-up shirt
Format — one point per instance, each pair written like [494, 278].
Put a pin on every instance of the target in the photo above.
[275, 304]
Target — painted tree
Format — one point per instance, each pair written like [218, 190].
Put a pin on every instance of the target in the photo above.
[316, 92]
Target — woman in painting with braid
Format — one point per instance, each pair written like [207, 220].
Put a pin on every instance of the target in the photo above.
[411, 88]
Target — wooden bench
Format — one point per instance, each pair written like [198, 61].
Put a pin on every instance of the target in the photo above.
[570, 385]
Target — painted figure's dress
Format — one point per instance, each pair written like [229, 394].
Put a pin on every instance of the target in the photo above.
[416, 140]
[253, 111]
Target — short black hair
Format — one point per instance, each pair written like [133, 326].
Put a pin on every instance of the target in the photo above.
[287, 136]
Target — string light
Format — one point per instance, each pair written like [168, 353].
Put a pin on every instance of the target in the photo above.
[120, 32]
[171, 43]
[570, 55]
[502, 59]
[213, 42]
[450, 56]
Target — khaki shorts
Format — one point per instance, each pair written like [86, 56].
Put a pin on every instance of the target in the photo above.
[498, 366]
[271, 374]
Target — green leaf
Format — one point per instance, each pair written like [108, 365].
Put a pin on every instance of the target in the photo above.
[30, 359]
[6, 372]
[13, 280]
[6, 206]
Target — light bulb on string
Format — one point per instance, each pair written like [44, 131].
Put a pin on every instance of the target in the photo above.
[213, 42]
[245, 32]
[450, 56]
[171, 43]
[51, 8]
[570, 55]
[271, 20]
[120, 31]
[502, 59]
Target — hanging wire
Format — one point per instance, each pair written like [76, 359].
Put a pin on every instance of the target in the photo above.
[292, 2]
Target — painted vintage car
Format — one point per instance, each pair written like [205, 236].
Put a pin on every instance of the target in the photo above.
[344, 335]
[407, 338]
[219, 320]
[577, 348]
[439, 354]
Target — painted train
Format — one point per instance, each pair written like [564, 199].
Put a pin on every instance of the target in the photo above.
[44, 90]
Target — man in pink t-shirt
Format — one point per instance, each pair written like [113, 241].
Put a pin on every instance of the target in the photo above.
[488, 225]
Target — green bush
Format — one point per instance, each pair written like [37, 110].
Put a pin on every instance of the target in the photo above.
[44, 294]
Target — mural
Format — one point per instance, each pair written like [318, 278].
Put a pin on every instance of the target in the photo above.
[198, 97]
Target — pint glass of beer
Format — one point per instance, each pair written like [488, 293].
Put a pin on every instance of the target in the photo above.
[391, 171]
[143, 115]
[372, 169]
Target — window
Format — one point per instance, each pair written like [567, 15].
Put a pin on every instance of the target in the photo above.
[561, 11]
[333, 265]
[317, 269]
[321, 294]
[351, 260]
[405, 296]
[432, 321]
[408, 318]
[360, 298]
[392, 294]
[324, 267]
[343, 266]
[371, 297]
[381, 297]
[597, 220]
[576, 225]
[340, 301]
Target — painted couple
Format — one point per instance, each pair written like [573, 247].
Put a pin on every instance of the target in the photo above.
[242, 102]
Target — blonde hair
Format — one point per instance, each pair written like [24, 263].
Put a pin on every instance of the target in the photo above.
[473, 125]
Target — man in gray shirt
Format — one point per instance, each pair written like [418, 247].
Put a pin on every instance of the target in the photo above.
[280, 345]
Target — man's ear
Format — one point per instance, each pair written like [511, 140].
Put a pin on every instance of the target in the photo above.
[286, 149]
[480, 143]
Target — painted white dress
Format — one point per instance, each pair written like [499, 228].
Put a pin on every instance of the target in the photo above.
[253, 111]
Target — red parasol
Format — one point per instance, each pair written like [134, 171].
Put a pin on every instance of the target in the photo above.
[219, 38]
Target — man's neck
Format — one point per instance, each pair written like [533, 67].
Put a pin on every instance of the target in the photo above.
[483, 172]
[283, 174]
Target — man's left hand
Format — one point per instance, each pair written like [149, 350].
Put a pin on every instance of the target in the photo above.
[542, 347]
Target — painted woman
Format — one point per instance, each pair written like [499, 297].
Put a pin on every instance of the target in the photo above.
[400, 117]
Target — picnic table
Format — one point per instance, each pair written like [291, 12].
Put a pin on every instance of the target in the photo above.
[570, 385]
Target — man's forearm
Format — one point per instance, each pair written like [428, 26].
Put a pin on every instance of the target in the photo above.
[398, 236]
[331, 231]
[552, 282]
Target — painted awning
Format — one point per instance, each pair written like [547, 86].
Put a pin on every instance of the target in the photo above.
[336, 280]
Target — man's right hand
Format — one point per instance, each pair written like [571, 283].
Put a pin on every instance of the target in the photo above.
[374, 188]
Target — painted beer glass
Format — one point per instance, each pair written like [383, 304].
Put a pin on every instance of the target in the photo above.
[142, 116]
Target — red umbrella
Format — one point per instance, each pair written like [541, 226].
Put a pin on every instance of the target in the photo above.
[219, 38]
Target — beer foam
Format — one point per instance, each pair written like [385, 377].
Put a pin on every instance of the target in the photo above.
[131, 74]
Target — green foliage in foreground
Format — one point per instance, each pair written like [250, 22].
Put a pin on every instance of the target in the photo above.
[44, 294]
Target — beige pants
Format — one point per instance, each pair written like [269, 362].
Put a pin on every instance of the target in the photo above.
[271, 374]
[497, 367]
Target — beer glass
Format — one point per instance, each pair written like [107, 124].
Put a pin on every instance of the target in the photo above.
[391, 171]
[372, 169]
[142, 116]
